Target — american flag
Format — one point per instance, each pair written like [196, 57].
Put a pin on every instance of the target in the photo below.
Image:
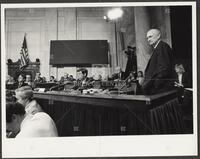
[24, 57]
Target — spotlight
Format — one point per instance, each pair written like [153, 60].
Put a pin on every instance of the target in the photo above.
[115, 13]
[105, 17]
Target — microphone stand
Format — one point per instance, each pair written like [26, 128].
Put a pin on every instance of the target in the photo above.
[124, 83]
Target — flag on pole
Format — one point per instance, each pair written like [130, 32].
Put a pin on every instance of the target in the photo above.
[24, 57]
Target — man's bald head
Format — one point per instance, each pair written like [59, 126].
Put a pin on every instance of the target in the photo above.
[153, 36]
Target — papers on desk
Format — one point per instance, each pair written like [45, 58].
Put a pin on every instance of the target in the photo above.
[91, 91]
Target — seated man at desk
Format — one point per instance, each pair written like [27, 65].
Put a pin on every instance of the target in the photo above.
[140, 77]
[28, 81]
[10, 80]
[118, 75]
[83, 81]
[28, 125]
[21, 81]
[38, 78]
[182, 81]
[52, 79]
[71, 78]
[10, 83]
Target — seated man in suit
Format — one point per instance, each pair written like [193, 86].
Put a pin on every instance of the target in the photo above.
[28, 125]
[140, 77]
[52, 79]
[10, 80]
[28, 81]
[158, 72]
[71, 78]
[182, 80]
[10, 83]
[83, 82]
[21, 81]
[38, 78]
[61, 81]
[66, 76]
[118, 75]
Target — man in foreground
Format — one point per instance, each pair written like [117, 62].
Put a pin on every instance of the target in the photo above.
[24, 96]
[28, 125]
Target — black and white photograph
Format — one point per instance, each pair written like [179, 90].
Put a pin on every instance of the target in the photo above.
[99, 79]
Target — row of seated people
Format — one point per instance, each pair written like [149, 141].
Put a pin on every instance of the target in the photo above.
[85, 82]
[82, 75]
[23, 80]
[179, 81]
[116, 81]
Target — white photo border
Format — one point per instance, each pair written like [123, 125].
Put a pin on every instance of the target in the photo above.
[101, 146]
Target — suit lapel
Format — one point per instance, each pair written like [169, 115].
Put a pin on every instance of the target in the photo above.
[150, 59]
[153, 52]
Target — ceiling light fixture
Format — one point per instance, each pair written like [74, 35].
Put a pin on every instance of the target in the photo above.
[115, 13]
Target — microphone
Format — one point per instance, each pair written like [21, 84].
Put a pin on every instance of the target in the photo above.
[57, 87]
[125, 82]
[133, 74]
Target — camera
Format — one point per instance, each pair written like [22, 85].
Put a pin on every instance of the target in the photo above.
[130, 50]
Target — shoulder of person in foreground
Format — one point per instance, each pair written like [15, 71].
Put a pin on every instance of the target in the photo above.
[38, 125]
[33, 107]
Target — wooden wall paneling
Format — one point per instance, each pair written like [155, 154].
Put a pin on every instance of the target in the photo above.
[31, 69]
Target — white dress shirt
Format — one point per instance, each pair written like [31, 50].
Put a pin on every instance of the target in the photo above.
[33, 107]
[37, 125]
[180, 78]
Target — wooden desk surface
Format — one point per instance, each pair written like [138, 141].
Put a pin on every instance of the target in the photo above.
[138, 102]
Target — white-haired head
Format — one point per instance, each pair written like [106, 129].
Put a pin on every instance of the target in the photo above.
[24, 94]
[153, 36]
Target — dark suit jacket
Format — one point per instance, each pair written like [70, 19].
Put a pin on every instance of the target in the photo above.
[18, 85]
[158, 72]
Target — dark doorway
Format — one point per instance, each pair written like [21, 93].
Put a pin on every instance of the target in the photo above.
[181, 29]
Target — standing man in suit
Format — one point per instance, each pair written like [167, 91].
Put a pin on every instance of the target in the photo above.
[158, 72]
